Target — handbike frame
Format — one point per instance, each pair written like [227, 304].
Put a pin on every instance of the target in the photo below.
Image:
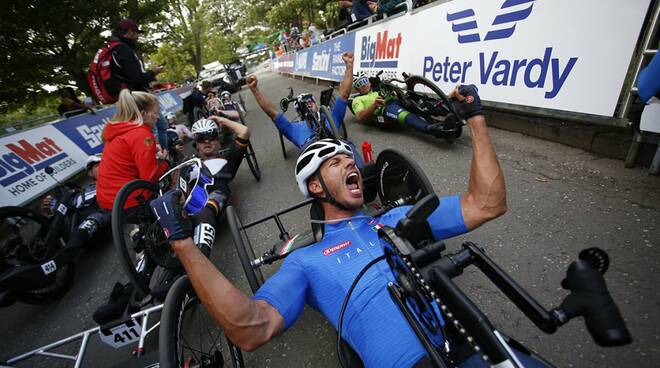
[84, 337]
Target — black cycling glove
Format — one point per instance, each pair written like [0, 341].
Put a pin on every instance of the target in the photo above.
[169, 212]
[471, 105]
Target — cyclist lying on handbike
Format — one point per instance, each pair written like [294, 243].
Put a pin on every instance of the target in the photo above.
[222, 163]
[298, 132]
[321, 273]
[369, 105]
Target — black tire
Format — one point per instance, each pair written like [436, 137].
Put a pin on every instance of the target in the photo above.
[188, 334]
[242, 102]
[24, 226]
[399, 177]
[331, 121]
[198, 113]
[251, 159]
[344, 132]
[414, 80]
[244, 249]
[148, 244]
[283, 147]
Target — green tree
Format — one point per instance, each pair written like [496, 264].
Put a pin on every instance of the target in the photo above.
[177, 65]
[53, 42]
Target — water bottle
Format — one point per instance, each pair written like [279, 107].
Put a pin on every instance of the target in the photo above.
[367, 153]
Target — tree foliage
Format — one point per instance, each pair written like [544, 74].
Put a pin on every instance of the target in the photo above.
[53, 42]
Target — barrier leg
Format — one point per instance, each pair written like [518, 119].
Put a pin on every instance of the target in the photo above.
[633, 151]
[654, 169]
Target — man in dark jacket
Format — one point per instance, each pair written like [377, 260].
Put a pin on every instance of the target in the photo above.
[128, 68]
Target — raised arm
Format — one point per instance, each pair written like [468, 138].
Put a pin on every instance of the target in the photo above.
[347, 83]
[247, 323]
[241, 131]
[485, 198]
[262, 100]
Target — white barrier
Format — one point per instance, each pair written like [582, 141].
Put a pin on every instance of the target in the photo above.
[561, 54]
[63, 145]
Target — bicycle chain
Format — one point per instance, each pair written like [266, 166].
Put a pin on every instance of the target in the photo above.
[447, 315]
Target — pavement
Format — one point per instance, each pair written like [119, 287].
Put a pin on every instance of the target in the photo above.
[561, 200]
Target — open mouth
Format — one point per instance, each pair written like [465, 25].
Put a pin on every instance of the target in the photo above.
[352, 184]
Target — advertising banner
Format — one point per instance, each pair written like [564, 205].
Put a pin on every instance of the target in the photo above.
[284, 64]
[85, 131]
[25, 155]
[325, 60]
[169, 102]
[559, 54]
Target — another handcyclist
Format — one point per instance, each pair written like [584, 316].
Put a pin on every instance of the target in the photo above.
[321, 273]
[298, 132]
[92, 218]
[370, 106]
[222, 163]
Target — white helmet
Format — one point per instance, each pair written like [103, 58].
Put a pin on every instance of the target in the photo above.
[205, 127]
[225, 94]
[92, 160]
[313, 156]
[170, 116]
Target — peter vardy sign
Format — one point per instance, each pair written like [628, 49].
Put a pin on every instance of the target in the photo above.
[559, 54]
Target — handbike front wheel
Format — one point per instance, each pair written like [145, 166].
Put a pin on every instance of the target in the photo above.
[139, 239]
[283, 147]
[22, 232]
[244, 249]
[331, 122]
[400, 179]
[188, 336]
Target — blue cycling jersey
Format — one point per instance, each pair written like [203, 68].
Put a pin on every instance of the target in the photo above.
[299, 133]
[322, 273]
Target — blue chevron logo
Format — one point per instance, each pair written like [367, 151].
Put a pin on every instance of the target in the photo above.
[464, 22]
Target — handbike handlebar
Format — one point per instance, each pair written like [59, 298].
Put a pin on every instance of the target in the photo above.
[588, 296]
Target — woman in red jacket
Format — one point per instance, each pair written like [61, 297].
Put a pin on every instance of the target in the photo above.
[130, 150]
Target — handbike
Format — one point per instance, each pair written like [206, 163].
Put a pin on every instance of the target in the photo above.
[321, 123]
[35, 264]
[419, 96]
[250, 156]
[438, 310]
[152, 266]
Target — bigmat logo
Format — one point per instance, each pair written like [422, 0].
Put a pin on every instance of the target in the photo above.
[465, 24]
[26, 158]
[382, 51]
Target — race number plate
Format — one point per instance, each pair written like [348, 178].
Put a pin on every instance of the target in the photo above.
[121, 335]
[238, 74]
[61, 209]
[49, 267]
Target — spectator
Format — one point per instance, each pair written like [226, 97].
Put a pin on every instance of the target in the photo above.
[314, 34]
[384, 6]
[284, 42]
[306, 40]
[181, 130]
[69, 102]
[130, 150]
[128, 68]
[359, 9]
[213, 103]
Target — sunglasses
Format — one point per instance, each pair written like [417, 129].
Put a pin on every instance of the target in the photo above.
[206, 137]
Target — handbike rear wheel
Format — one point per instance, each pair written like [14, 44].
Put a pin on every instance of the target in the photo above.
[400, 179]
[21, 230]
[251, 159]
[188, 335]
[139, 240]
[244, 249]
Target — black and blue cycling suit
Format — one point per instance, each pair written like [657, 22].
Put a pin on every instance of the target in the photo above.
[300, 134]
